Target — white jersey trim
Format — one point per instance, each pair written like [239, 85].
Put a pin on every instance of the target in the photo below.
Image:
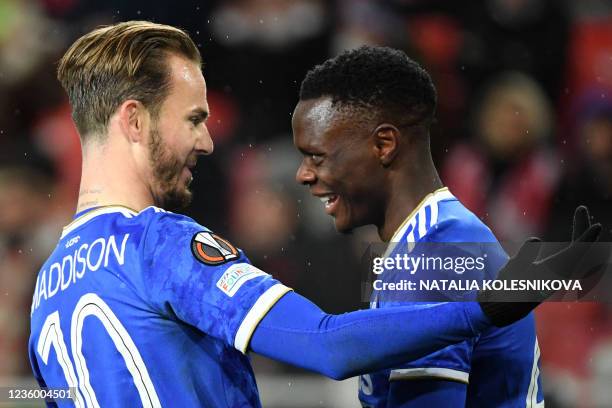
[95, 213]
[419, 216]
[430, 372]
[261, 307]
[532, 392]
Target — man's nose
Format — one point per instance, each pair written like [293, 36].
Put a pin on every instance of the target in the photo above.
[205, 143]
[305, 175]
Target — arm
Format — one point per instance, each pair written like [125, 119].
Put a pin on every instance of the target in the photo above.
[297, 332]
[231, 299]
[427, 393]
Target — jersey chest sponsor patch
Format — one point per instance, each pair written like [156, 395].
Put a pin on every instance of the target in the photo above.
[211, 249]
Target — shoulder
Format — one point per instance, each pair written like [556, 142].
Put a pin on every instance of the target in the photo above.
[458, 225]
[442, 218]
[167, 225]
[169, 236]
[455, 223]
[157, 217]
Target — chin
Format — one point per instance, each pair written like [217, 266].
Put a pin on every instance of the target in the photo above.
[344, 227]
[176, 200]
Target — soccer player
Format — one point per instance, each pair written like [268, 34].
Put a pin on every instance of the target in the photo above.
[140, 306]
[362, 124]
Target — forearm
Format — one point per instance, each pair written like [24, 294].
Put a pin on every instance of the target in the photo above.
[297, 332]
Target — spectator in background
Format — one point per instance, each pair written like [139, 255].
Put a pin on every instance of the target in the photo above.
[588, 175]
[369, 22]
[264, 212]
[28, 230]
[507, 175]
[576, 338]
[261, 49]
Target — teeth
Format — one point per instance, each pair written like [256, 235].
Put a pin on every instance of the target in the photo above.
[326, 199]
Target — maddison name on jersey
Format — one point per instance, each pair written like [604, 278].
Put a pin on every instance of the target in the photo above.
[86, 258]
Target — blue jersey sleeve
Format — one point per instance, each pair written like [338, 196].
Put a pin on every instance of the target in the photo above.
[428, 393]
[200, 278]
[297, 332]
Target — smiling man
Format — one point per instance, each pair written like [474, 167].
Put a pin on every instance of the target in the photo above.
[140, 306]
[362, 125]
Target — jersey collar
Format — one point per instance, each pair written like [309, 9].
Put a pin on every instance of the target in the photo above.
[438, 195]
[87, 215]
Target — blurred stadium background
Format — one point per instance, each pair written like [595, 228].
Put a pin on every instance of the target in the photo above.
[524, 134]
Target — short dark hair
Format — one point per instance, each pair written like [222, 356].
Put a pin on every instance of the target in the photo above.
[375, 77]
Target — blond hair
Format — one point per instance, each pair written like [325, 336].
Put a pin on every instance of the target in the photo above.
[112, 64]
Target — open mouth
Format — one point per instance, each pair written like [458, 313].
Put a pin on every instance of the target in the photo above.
[330, 201]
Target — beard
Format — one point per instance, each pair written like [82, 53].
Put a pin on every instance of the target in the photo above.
[168, 192]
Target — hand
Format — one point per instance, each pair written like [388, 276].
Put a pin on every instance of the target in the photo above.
[506, 307]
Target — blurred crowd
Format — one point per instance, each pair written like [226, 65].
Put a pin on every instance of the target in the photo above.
[523, 135]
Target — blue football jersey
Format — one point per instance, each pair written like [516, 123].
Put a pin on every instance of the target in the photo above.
[501, 366]
[147, 309]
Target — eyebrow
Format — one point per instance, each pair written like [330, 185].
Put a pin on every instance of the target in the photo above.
[308, 151]
[201, 113]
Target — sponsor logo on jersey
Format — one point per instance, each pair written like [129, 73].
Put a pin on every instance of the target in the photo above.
[211, 249]
[73, 241]
[236, 275]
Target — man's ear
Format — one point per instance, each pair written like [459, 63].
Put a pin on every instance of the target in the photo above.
[133, 119]
[386, 143]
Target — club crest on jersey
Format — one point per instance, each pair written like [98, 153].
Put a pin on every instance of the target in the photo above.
[211, 249]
